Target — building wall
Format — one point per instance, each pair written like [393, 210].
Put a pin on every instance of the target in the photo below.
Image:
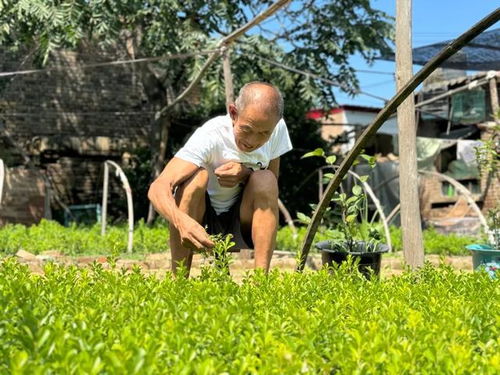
[69, 121]
[23, 198]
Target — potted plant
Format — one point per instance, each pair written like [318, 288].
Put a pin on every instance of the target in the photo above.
[358, 238]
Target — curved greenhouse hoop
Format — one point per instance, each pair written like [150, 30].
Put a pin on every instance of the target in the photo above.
[130, 205]
[382, 116]
[461, 188]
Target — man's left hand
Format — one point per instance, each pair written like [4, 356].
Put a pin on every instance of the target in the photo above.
[232, 174]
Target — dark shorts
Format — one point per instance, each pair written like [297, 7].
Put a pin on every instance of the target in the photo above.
[227, 222]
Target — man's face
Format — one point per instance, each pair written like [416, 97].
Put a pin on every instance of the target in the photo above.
[251, 127]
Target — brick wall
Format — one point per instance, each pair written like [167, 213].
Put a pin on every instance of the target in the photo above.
[69, 121]
[23, 196]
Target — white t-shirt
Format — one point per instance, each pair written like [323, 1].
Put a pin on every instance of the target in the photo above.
[213, 144]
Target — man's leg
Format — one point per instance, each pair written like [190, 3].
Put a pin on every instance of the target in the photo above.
[190, 198]
[259, 214]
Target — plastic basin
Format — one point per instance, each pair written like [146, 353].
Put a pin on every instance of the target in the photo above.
[485, 257]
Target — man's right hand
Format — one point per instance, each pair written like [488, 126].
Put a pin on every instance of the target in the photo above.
[193, 235]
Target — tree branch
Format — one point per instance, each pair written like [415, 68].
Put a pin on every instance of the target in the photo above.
[224, 42]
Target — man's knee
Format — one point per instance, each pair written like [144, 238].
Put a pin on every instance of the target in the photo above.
[193, 189]
[264, 184]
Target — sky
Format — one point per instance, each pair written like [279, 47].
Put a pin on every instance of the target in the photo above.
[433, 21]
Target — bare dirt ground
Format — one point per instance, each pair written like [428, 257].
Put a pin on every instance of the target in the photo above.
[159, 263]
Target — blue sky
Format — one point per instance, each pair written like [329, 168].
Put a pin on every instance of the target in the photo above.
[433, 21]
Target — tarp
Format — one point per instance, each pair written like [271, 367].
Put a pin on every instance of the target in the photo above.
[481, 53]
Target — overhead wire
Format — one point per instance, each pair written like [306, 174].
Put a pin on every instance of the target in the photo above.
[319, 78]
[111, 63]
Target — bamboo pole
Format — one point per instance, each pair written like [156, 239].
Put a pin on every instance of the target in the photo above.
[382, 116]
[464, 191]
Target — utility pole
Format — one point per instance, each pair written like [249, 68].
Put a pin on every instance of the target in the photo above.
[408, 176]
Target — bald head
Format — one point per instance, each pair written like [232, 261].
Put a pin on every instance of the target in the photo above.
[263, 96]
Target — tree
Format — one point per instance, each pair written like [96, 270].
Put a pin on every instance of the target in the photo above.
[312, 35]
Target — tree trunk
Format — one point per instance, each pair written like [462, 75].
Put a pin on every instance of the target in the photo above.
[408, 182]
[161, 132]
[228, 79]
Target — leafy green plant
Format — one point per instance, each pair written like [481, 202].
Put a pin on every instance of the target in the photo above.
[488, 160]
[351, 211]
[487, 155]
[494, 224]
[77, 240]
[219, 256]
[436, 243]
[98, 321]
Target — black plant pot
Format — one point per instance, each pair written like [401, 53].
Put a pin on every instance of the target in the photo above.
[369, 258]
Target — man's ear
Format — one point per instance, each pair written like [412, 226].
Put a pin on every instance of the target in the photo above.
[233, 111]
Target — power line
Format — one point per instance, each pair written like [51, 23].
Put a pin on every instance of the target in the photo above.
[376, 84]
[374, 72]
[110, 63]
[319, 78]
[44, 113]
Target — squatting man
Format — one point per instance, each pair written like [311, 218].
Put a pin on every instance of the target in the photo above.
[225, 178]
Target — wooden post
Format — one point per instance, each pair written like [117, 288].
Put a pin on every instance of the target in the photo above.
[408, 182]
[228, 78]
[494, 97]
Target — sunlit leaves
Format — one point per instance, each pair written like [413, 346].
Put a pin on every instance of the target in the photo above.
[316, 152]
[314, 36]
[100, 321]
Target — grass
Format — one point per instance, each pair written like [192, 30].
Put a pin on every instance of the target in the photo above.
[87, 240]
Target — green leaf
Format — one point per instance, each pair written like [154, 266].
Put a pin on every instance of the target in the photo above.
[357, 190]
[370, 159]
[316, 152]
[331, 159]
[351, 218]
[329, 175]
[304, 219]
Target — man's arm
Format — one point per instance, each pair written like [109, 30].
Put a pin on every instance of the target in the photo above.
[274, 166]
[161, 196]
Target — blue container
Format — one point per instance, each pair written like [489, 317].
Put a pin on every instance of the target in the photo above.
[485, 257]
